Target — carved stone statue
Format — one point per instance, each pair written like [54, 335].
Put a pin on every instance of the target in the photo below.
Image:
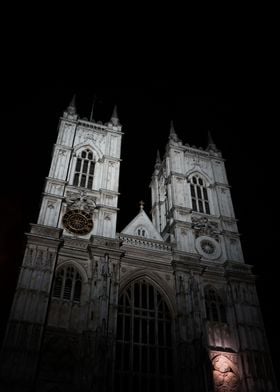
[225, 374]
[202, 226]
[80, 201]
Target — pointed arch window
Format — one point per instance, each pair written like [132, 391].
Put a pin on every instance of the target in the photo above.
[144, 340]
[199, 195]
[215, 309]
[141, 231]
[84, 169]
[68, 284]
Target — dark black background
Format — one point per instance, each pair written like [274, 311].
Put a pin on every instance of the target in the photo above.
[240, 120]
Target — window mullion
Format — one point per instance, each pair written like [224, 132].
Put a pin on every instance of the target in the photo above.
[202, 199]
[80, 175]
[196, 197]
[73, 286]
[148, 352]
[89, 162]
[63, 284]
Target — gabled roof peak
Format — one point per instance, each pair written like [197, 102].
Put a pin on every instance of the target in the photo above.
[142, 226]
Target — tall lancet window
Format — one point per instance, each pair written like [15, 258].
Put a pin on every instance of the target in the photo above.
[199, 195]
[67, 284]
[84, 170]
[144, 351]
[215, 309]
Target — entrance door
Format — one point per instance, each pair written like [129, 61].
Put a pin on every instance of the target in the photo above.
[143, 360]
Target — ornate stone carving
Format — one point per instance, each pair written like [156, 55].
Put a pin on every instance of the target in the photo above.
[105, 266]
[39, 261]
[144, 243]
[96, 138]
[80, 201]
[52, 232]
[29, 255]
[115, 244]
[39, 258]
[61, 152]
[225, 373]
[51, 204]
[208, 247]
[58, 187]
[202, 226]
[75, 243]
[68, 127]
[44, 258]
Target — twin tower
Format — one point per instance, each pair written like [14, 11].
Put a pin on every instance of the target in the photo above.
[165, 305]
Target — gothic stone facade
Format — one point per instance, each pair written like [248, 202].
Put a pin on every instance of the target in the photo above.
[165, 305]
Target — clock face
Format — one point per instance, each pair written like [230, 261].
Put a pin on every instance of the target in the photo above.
[78, 222]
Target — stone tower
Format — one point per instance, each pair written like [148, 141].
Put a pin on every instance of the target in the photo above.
[168, 304]
[70, 264]
[216, 301]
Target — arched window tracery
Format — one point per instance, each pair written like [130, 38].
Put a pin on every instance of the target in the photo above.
[144, 340]
[67, 284]
[215, 309]
[199, 194]
[84, 169]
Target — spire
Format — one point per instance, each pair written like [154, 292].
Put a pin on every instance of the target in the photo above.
[172, 135]
[158, 160]
[114, 118]
[72, 106]
[211, 144]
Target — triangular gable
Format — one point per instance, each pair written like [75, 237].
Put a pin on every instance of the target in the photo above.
[142, 226]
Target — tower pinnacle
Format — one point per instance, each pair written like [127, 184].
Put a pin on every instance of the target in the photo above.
[158, 160]
[211, 144]
[114, 118]
[72, 106]
[173, 135]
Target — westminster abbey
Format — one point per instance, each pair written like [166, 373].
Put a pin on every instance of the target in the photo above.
[167, 304]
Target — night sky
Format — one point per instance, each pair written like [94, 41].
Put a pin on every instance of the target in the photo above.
[240, 128]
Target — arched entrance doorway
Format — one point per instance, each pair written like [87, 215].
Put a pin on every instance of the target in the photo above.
[144, 349]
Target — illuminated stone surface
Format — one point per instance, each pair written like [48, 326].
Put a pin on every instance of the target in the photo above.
[168, 304]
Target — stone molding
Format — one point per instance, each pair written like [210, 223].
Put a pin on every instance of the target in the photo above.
[144, 243]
